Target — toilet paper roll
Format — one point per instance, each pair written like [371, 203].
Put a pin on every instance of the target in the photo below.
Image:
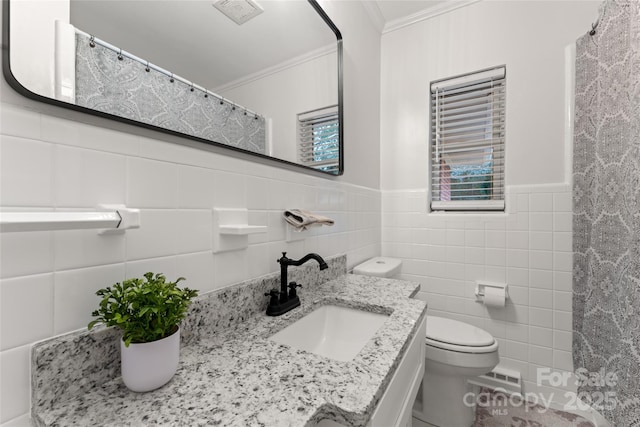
[494, 297]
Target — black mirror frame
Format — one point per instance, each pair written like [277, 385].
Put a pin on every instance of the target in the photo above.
[16, 85]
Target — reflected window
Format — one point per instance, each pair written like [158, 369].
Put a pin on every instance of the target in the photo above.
[319, 139]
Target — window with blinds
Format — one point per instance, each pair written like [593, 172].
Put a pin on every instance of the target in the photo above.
[468, 141]
[319, 139]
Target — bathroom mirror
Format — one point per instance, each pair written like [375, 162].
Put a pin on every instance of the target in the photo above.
[258, 76]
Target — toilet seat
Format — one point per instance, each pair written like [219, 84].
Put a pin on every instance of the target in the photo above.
[451, 335]
[461, 348]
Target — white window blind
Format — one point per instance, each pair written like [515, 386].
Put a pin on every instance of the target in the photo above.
[319, 139]
[468, 141]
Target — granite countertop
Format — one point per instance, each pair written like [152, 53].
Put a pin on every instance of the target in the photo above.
[240, 378]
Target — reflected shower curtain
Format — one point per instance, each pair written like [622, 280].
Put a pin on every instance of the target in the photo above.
[124, 88]
[606, 220]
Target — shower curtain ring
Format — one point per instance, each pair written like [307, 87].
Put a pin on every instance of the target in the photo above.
[120, 55]
[221, 101]
[171, 79]
[92, 42]
[206, 93]
[192, 89]
[147, 69]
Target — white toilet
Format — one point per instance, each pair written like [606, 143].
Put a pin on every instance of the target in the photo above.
[456, 352]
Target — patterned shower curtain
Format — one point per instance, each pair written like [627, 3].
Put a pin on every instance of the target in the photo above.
[606, 220]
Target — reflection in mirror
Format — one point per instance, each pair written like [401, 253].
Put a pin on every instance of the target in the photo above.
[270, 85]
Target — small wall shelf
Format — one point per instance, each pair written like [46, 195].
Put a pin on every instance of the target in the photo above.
[231, 229]
[242, 230]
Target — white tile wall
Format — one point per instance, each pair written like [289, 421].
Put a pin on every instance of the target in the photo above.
[48, 279]
[82, 248]
[88, 177]
[14, 391]
[26, 172]
[75, 290]
[151, 184]
[529, 247]
[27, 309]
[28, 254]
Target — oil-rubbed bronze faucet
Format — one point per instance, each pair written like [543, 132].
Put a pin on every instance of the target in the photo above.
[285, 300]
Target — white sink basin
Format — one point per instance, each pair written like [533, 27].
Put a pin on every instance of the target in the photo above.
[331, 331]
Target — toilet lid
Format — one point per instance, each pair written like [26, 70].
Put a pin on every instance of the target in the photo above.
[450, 331]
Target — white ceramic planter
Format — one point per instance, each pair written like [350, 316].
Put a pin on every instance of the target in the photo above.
[147, 366]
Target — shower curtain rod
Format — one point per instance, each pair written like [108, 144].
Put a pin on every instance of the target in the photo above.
[163, 71]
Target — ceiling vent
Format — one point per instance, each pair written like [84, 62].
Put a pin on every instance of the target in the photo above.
[239, 11]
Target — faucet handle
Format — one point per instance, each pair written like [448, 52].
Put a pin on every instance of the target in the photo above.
[292, 289]
[274, 294]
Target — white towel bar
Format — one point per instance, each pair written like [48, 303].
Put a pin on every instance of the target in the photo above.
[120, 219]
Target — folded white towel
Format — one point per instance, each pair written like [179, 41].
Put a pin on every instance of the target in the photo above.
[301, 219]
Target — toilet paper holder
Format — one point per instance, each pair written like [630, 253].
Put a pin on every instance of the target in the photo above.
[481, 286]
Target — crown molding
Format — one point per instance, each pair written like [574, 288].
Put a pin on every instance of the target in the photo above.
[375, 14]
[432, 12]
[309, 56]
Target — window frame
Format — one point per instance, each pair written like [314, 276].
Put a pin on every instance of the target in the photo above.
[495, 144]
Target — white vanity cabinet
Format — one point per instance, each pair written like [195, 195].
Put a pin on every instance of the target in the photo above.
[395, 407]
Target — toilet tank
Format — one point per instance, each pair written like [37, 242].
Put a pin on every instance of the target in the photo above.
[379, 267]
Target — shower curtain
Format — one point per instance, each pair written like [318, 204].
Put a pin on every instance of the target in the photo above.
[606, 220]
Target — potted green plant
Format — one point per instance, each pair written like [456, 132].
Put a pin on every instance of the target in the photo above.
[148, 311]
